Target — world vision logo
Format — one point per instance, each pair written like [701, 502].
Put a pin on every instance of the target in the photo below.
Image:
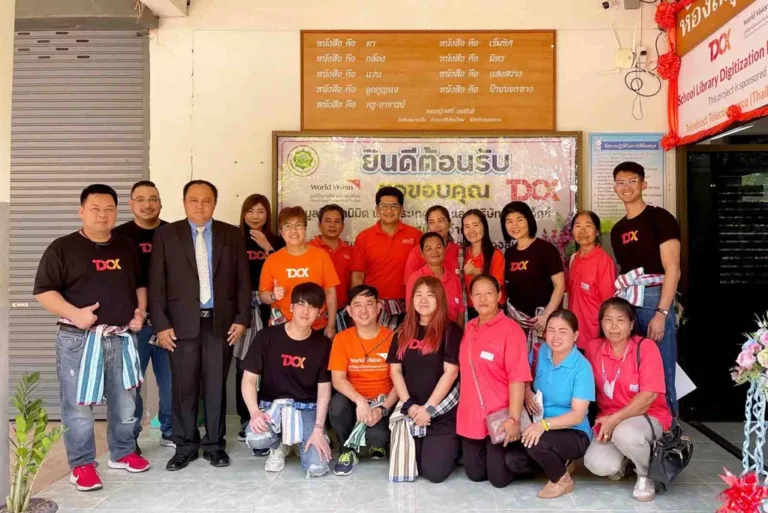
[256, 255]
[719, 45]
[293, 361]
[146, 247]
[107, 265]
[519, 266]
[628, 237]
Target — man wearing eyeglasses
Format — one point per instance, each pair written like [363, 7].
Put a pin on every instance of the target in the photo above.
[146, 206]
[646, 243]
[380, 254]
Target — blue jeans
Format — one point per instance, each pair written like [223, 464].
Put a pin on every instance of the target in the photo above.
[311, 461]
[667, 345]
[161, 366]
[121, 403]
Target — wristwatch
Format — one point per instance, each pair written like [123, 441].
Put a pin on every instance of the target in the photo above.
[430, 409]
[662, 311]
[384, 410]
[407, 406]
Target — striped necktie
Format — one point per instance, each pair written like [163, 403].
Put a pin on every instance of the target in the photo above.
[203, 274]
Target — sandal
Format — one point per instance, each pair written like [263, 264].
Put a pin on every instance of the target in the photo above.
[553, 490]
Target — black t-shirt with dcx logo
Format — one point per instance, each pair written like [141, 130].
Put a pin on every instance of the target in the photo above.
[289, 369]
[636, 241]
[142, 239]
[86, 272]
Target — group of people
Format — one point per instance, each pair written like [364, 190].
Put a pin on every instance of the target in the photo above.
[421, 349]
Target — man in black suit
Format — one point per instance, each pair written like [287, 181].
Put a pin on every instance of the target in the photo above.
[200, 306]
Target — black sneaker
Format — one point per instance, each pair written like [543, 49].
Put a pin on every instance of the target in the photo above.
[378, 453]
[260, 453]
[346, 463]
[138, 449]
[167, 441]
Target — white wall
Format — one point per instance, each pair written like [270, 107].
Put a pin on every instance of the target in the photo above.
[228, 75]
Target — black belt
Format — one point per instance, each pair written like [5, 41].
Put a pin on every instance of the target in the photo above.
[71, 329]
[204, 314]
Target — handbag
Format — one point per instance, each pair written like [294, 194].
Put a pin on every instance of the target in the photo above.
[670, 454]
[495, 421]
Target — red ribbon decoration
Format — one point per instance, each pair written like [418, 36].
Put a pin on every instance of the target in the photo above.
[734, 112]
[669, 141]
[669, 66]
[666, 15]
[744, 495]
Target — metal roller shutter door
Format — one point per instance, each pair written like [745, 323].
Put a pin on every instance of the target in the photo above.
[79, 116]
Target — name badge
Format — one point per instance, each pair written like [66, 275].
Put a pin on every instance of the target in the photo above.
[485, 355]
[634, 388]
[456, 300]
[584, 286]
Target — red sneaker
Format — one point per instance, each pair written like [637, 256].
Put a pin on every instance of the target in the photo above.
[85, 478]
[132, 463]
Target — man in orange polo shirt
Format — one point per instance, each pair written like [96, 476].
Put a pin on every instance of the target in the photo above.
[380, 254]
[330, 220]
[360, 375]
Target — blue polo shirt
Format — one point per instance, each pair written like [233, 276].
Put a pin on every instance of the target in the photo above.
[560, 384]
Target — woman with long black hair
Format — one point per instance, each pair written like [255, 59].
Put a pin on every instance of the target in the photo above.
[480, 257]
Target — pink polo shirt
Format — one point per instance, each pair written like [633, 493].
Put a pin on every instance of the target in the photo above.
[499, 356]
[416, 260]
[648, 377]
[451, 285]
[590, 282]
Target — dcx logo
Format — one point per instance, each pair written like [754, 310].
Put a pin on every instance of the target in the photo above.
[719, 45]
[298, 273]
[256, 255]
[519, 266]
[628, 237]
[293, 361]
[146, 247]
[522, 190]
[107, 265]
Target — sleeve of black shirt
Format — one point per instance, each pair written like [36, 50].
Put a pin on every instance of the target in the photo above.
[244, 294]
[452, 342]
[50, 272]
[323, 374]
[141, 278]
[254, 358]
[553, 261]
[156, 293]
[392, 355]
[667, 227]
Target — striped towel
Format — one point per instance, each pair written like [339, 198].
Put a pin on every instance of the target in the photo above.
[357, 437]
[525, 322]
[90, 381]
[402, 460]
[276, 317]
[391, 309]
[244, 343]
[285, 418]
[631, 286]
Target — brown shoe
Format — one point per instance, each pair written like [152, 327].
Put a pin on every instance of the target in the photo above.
[554, 490]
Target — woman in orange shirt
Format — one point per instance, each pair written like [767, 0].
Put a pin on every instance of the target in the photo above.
[480, 257]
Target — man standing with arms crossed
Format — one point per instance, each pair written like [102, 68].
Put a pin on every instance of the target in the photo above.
[146, 206]
[91, 280]
[646, 243]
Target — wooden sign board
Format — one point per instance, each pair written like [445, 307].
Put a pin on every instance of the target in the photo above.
[700, 19]
[428, 80]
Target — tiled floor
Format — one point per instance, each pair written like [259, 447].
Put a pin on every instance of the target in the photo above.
[244, 486]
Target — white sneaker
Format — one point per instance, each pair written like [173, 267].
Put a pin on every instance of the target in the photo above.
[618, 476]
[645, 489]
[276, 459]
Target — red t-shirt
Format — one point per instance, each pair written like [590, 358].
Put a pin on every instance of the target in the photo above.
[382, 258]
[590, 282]
[342, 262]
[648, 377]
[500, 357]
[451, 285]
[497, 271]
[416, 259]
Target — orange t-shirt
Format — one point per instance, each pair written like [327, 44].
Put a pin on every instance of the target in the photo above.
[342, 262]
[497, 271]
[382, 258]
[314, 265]
[369, 377]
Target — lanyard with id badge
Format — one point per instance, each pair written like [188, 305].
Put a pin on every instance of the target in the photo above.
[610, 386]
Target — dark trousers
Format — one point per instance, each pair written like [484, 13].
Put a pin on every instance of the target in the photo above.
[242, 409]
[555, 448]
[343, 416]
[484, 461]
[204, 359]
[436, 455]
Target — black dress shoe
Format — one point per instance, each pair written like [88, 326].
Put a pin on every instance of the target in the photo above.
[217, 458]
[180, 461]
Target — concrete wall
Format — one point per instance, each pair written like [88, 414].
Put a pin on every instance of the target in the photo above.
[226, 76]
[84, 14]
[6, 78]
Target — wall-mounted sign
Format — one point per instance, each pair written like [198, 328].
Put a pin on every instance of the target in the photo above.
[428, 80]
[698, 20]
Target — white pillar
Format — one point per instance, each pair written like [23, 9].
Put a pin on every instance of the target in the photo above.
[7, 9]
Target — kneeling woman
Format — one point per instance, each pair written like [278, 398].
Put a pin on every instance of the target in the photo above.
[631, 402]
[424, 365]
[494, 370]
[564, 378]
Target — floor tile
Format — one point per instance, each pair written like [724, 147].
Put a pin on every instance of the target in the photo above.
[321, 494]
[213, 495]
[67, 497]
[454, 496]
[144, 497]
[522, 495]
[688, 497]
[378, 496]
[597, 497]
[251, 471]
[196, 471]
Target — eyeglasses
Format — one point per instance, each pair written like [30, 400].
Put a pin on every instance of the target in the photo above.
[389, 206]
[151, 201]
[296, 226]
[620, 184]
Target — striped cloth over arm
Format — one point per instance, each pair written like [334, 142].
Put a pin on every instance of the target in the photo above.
[357, 437]
[90, 380]
[631, 286]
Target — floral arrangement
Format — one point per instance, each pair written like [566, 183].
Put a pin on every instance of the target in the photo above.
[744, 494]
[561, 237]
[752, 362]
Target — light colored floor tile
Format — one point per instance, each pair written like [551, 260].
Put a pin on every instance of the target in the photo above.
[455, 495]
[369, 470]
[145, 497]
[684, 497]
[321, 494]
[598, 497]
[213, 495]
[251, 471]
[522, 495]
[196, 471]
[378, 496]
[67, 497]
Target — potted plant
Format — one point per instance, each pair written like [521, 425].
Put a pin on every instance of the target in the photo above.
[30, 445]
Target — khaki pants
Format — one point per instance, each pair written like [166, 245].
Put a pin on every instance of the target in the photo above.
[631, 439]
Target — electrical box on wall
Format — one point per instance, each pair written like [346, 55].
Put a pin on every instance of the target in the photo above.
[631, 4]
